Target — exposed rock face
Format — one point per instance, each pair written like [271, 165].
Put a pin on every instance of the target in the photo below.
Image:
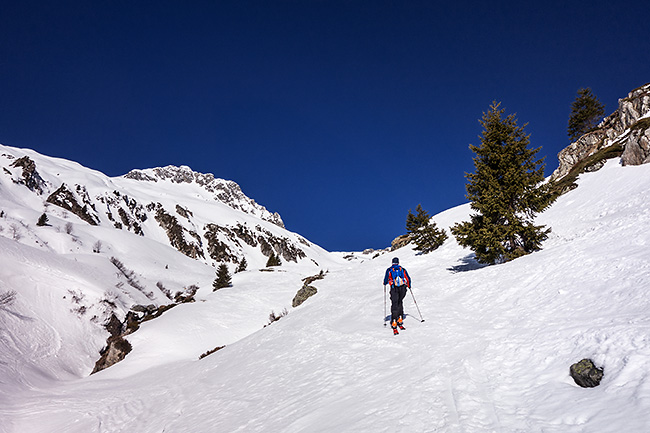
[399, 242]
[30, 177]
[635, 142]
[303, 294]
[67, 199]
[175, 233]
[225, 191]
[586, 374]
[116, 346]
[307, 289]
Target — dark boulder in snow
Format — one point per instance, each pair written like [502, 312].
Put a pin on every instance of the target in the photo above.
[586, 374]
[307, 291]
[303, 294]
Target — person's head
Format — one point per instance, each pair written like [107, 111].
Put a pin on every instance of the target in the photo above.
[395, 261]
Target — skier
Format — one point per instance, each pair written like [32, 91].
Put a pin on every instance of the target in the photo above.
[399, 280]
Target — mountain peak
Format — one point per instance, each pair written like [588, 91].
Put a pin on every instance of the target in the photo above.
[225, 191]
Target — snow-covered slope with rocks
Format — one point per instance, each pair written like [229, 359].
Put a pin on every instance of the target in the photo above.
[492, 355]
[60, 272]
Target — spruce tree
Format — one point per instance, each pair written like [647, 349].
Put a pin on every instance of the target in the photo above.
[426, 236]
[586, 113]
[505, 191]
[429, 238]
[42, 220]
[242, 265]
[223, 278]
[414, 222]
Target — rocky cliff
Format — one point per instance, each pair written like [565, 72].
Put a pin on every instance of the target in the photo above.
[625, 132]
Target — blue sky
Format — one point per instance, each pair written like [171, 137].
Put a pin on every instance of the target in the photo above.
[339, 115]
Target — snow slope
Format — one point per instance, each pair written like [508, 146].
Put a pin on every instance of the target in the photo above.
[492, 355]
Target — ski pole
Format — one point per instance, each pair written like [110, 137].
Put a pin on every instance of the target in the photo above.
[384, 305]
[416, 306]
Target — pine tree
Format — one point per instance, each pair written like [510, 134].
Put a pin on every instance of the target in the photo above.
[426, 236]
[42, 220]
[414, 222]
[242, 265]
[223, 278]
[273, 260]
[505, 191]
[586, 113]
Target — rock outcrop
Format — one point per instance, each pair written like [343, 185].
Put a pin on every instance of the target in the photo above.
[637, 144]
[225, 191]
[30, 177]
[72, 201]
[628, 127]
[586, 374]
[307, 290]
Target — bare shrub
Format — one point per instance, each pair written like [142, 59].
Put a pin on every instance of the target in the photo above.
[97, 247]
[69, 228]
[165, 290]
[7, 298]
[188, 295]
[131, 278]
[210, 352]
[274, 318]
[15, 232]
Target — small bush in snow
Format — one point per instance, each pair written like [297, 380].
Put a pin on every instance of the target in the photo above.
[97, 247]
[7, 298]
[130, 278]
[165, 290]
[15, 232]
[188, 295]
[69, 228]
[274, 318]
[210, 352]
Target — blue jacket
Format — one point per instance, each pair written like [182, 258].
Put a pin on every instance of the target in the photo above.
[388, 278]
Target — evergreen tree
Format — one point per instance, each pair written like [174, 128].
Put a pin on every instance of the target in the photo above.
[414, 222]
[42, 220]
[242, 265]
[223, 278]
[426, 236]
[273, 260]
[505, 191]
[429, 237]
[586, 113]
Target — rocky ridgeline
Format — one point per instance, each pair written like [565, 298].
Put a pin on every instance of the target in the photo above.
[225, 191]
[214, 242]
[626, 132]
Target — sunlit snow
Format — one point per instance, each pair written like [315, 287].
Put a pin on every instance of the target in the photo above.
[492, 354]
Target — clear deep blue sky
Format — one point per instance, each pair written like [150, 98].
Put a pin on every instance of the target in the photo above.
[339, 115]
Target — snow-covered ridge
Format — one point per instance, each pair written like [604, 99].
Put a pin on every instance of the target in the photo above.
[205, 218]
[226, 191]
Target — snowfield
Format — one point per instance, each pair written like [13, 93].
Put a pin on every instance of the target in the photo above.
[492, 354]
